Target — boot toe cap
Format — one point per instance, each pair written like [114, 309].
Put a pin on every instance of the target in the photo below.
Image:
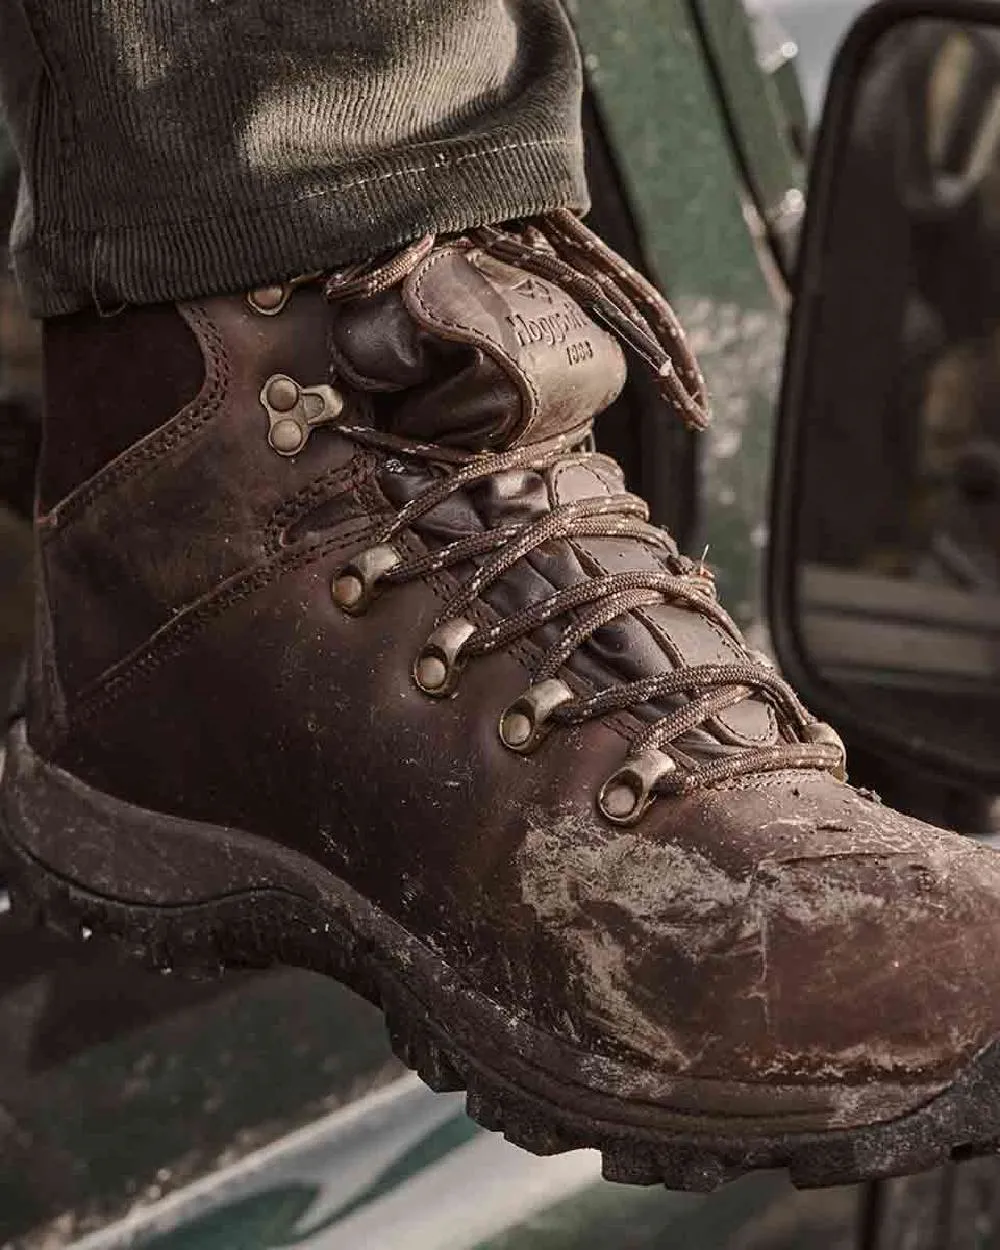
[875, 963]
[846, 943]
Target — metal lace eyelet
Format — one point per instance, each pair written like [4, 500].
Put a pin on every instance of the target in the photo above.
[436, 669]
[354, 586]
[627, 794]
[525, 723]
[820, 732]
[268, 301]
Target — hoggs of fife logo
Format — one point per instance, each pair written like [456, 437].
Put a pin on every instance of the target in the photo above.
[553, 327]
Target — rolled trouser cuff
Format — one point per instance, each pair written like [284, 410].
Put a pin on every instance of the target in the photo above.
[170, 151]
[448, 188]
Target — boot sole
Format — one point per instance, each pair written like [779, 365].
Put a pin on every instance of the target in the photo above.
[89, 864]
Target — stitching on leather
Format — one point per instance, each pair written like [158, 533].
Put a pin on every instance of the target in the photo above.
[493, 346]
[49, 708]
[343, 480]
[578, 464]
[172, 637]
[758, 781]
[772, 723]
[679, 660]
[665, 641]
[133, 462]
[677, 657]
[743, 738]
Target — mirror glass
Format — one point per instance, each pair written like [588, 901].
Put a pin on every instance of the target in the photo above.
[895, 537]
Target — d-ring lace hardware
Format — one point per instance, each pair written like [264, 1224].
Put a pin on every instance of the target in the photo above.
[355, 585]
[437, 667]
[525, 723]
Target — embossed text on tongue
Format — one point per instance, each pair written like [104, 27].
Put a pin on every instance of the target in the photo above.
[475, 353]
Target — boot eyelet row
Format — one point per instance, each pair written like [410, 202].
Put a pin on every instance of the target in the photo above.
[628, 793]
[355, 585]
[437, 668]
[526, 722]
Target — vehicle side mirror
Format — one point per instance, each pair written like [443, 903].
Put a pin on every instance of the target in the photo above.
[884, 577]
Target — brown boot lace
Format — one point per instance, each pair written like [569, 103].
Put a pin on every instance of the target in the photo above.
[562, 250]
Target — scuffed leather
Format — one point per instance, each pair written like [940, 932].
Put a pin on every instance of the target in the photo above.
[784, 928]
[192, 502]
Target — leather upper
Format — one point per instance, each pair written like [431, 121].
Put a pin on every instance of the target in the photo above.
[780, 925]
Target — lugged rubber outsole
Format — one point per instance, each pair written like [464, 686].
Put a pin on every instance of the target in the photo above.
[264, 928]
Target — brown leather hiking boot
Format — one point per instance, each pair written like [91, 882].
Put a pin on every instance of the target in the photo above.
[351, 655]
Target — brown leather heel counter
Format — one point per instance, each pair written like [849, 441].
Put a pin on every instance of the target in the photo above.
[104, 391]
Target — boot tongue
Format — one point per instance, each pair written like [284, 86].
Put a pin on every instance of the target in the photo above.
[477, 354]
